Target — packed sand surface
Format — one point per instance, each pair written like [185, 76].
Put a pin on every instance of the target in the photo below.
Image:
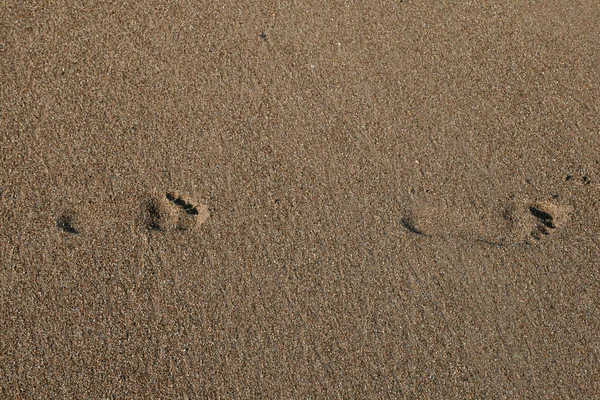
[299, 200]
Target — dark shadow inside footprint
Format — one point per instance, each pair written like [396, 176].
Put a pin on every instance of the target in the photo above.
[545, 218]
[192, 211]
[65, 223]
[409, 225]
[549, 216]
[153, 216]
[178, 201]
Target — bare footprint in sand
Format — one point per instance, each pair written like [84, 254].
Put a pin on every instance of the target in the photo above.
[548, 217]
[518, 222]
[68, 221]
[173, 211]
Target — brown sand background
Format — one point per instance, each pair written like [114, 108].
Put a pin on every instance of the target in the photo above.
[318, 135]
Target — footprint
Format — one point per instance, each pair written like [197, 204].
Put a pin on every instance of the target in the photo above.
[67, 222]
[173, 211]
[518, 222]
[548, 217]
[446, 222]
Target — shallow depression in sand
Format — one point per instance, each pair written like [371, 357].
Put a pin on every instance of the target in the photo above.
[173, 211]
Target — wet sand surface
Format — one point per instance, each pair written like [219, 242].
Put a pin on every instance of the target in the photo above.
[259, 200]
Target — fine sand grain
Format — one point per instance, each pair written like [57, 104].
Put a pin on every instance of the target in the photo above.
[299, 200]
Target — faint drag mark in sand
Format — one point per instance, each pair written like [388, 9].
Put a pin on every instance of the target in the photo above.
[517, 223]
[173, 211]
[68, 222]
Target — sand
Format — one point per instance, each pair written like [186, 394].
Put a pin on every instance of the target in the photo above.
[299, 200]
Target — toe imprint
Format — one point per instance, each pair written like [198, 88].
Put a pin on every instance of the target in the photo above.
[547, 217]
[173, 211]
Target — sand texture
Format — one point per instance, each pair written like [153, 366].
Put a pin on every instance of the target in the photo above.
[299, 200]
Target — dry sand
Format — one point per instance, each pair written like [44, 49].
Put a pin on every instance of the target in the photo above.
[299, 200]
